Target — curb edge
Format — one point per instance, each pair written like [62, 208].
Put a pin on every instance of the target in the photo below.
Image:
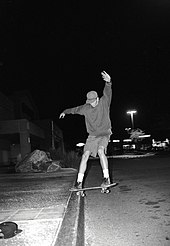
[71, 231]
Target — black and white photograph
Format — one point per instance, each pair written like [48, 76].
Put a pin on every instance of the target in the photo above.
[85, 123]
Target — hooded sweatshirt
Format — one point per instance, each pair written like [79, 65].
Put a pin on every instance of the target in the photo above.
[97, 119]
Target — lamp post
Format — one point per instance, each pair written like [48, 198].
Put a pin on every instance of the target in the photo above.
[132, 112]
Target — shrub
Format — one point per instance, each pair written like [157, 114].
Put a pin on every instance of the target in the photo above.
[71, 159]
[56, 154]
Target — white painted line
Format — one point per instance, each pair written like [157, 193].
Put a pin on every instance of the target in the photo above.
[12, 215]
[38, 213]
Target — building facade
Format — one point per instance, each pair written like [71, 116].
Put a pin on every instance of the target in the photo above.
[21, 131]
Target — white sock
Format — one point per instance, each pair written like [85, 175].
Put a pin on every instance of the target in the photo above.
[106, 173]
[80, 177]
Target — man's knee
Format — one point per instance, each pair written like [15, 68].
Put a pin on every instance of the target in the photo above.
[101, 151]
[86, 155]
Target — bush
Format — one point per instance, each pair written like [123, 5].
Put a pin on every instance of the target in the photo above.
[68, 159]
[71, 159]
[56, 154]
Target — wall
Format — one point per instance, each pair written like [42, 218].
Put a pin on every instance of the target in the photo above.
[6, 108]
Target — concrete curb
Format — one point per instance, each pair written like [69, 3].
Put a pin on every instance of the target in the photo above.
[71, 232]
[126, 156]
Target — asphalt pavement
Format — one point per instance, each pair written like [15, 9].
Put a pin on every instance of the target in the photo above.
[46, 212]
[137, 211]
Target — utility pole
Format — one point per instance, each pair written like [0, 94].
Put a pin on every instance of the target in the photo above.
[52, 135]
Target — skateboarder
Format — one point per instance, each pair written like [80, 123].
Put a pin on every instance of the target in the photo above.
[98, 125]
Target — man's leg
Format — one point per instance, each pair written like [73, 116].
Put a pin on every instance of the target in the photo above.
[104, 164]
[82, 168]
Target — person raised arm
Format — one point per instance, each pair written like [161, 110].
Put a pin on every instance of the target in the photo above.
[62, 115]
[106, 77]
[107, 92]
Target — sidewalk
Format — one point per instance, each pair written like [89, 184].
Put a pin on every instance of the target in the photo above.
[46, 212]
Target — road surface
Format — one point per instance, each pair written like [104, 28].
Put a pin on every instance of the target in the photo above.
[137, 211]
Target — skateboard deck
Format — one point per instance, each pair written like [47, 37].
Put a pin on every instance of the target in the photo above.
[105, 189]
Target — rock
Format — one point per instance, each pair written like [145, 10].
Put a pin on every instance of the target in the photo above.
[54, 167]
[37, 161]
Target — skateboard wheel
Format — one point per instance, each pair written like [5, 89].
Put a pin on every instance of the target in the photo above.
[80, 193]
[83, 194]
[107, 191]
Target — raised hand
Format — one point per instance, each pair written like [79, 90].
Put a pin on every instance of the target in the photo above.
[106, 77]
[62, 115]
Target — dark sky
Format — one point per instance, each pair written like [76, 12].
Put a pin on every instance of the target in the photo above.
[57, 51]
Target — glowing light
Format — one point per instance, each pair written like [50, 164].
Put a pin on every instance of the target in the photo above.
[145, 136]
[127, 140]
[80, 144]
[132, 112]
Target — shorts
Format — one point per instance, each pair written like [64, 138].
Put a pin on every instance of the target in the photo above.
[93, 143]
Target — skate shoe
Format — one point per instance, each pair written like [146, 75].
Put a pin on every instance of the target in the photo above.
[106, 182]
[78, 185]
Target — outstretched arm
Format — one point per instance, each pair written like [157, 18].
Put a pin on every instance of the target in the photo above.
[77, 110]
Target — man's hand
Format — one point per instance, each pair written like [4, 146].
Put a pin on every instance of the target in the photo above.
[106, 77]
[62, 115]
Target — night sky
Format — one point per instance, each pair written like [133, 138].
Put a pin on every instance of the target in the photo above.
[58, 51]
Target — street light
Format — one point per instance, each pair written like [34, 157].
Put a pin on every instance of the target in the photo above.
[132, 112]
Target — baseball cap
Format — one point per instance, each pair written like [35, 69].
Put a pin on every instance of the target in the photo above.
[8, 229]
[91, 96]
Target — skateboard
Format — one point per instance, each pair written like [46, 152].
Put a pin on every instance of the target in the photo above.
[105, 189]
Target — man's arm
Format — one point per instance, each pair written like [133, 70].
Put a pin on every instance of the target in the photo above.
[107, 92]
[77, 110]
[106, 77]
